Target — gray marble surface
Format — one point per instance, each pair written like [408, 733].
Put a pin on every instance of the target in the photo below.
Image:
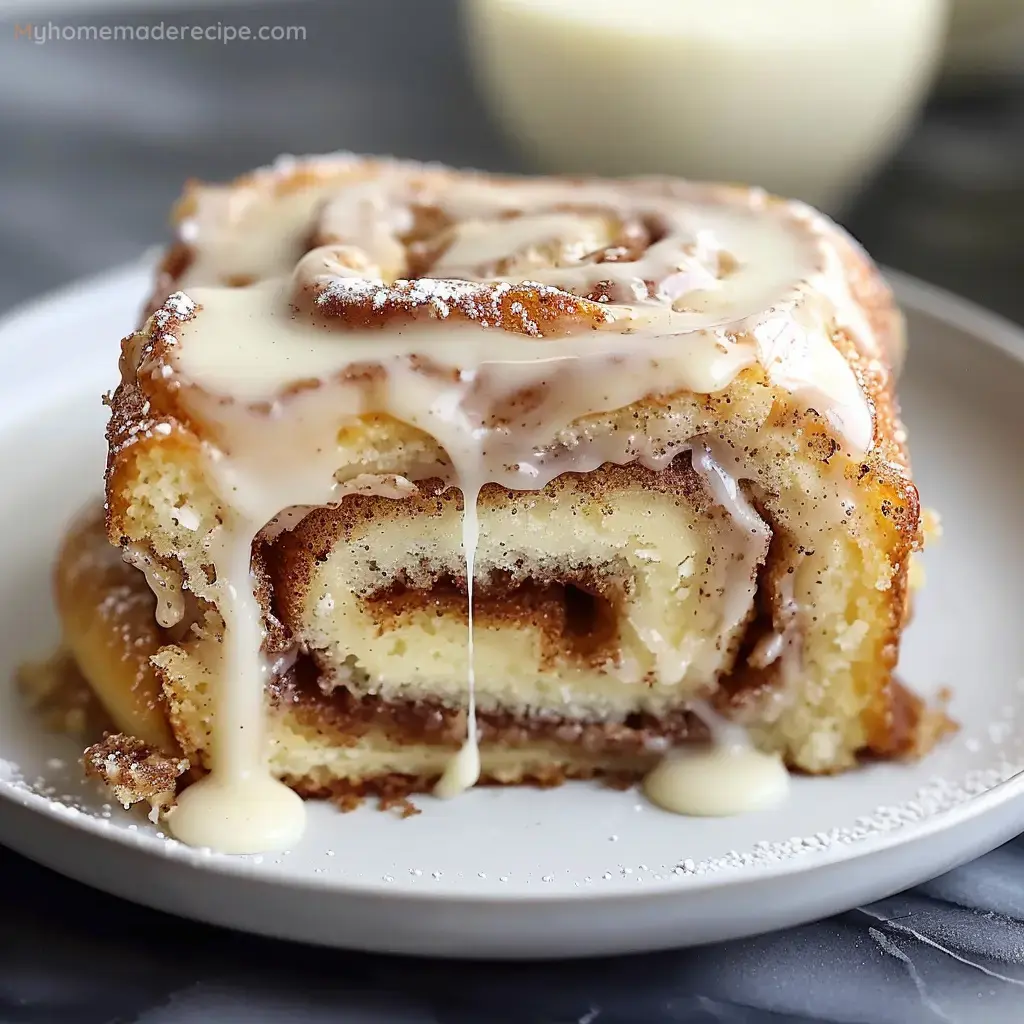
[95, 140]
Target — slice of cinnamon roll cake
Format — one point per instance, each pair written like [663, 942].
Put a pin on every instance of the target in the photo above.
[439, 477]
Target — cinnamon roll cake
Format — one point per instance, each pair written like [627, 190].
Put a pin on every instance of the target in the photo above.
[439, 477]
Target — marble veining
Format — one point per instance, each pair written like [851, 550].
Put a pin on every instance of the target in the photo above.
[938, 953]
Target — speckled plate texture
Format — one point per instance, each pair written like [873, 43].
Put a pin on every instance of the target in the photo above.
[582, 869]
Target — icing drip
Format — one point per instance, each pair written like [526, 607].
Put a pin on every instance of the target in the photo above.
[717, 782]
[165, 584]
[238, 807]
[463, 770]
[726, 778]
[543, 303]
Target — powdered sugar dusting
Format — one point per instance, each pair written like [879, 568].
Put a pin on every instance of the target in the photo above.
[178, 308]
[526, 307]
[936, 797]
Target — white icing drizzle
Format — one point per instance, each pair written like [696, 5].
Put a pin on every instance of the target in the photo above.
[165, 584]
[727, 280]
[463, 770]
[717, 781]
[727, 777]
[238, 807]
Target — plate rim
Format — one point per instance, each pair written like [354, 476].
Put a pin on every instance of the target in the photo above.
[982, 325]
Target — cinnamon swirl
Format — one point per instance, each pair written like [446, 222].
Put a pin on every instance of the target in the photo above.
[442, 477]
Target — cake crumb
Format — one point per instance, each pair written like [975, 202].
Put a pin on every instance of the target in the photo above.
[135, 772]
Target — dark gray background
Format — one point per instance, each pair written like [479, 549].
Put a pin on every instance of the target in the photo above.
[95, 141]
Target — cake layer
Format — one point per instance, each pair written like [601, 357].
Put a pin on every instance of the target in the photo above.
[607, 593]
[336, 743]
[324, 740]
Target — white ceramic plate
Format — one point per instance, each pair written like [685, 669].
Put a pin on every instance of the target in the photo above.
[581, 869]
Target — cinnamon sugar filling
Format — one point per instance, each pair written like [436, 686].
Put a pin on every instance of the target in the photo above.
[577, 616]
[348, 717]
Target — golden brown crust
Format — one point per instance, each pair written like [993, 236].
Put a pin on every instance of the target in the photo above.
[886, 718]
[107, 615]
